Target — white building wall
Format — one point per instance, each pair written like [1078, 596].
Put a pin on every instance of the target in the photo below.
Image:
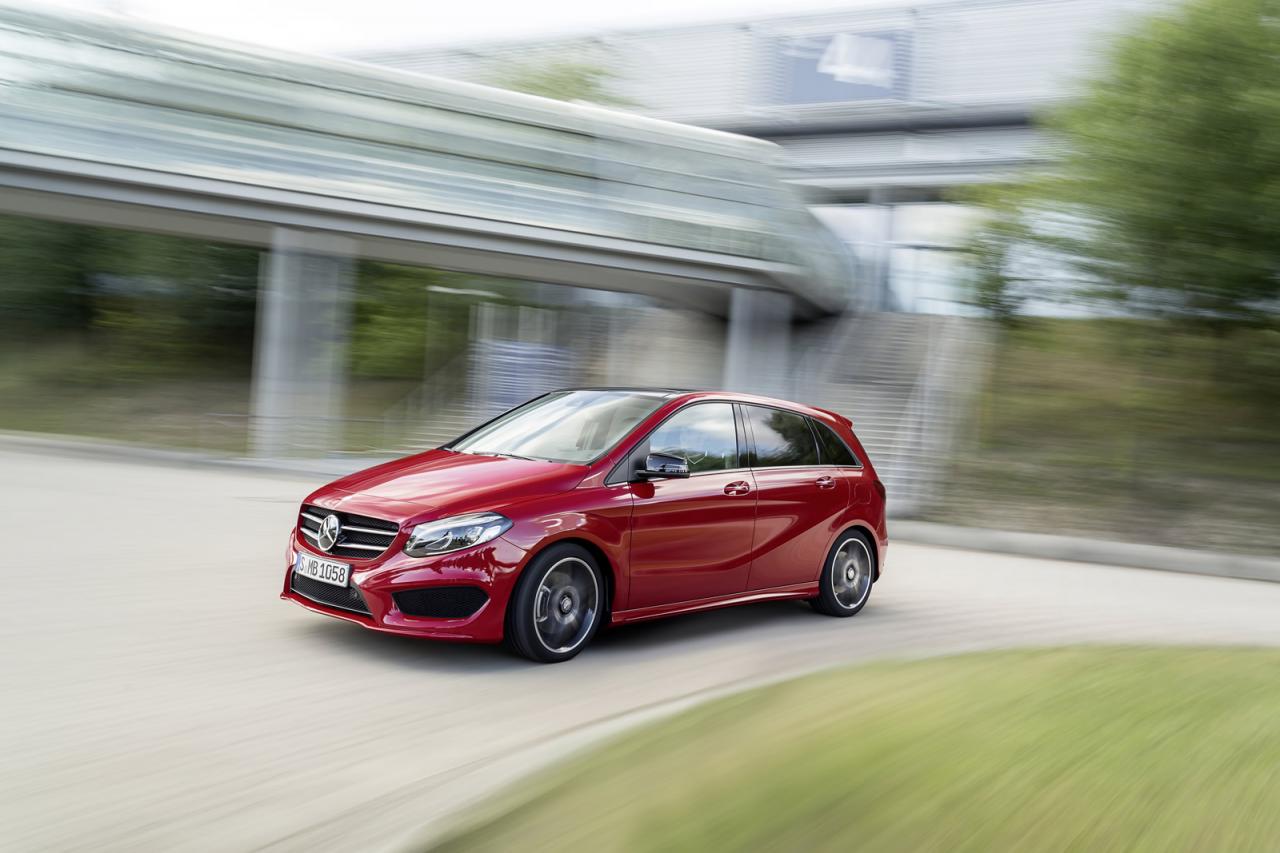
[964, 81]
[966, 53]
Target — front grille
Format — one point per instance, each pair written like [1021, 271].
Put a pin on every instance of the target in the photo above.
[441, 602]
[362, 537]
[341, 597]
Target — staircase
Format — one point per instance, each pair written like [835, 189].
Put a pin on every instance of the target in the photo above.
[433, 413]
[904, 380]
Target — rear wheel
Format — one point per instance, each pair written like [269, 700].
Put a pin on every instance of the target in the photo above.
[556, 607]
[846, 579]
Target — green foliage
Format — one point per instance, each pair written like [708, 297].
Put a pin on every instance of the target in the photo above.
[139, 307]
[43, 287]
[995, 288]
[563, 81]
[170, 305]
[149, 304]
[402, 329]
[1168, 197]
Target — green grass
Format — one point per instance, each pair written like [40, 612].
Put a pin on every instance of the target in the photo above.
[71, 388]
[1088, 749]
[1126, 429]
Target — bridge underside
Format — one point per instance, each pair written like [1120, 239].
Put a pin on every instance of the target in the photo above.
[680, 277]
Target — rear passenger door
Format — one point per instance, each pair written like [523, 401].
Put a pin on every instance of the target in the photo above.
[798, 499]
[842, 463]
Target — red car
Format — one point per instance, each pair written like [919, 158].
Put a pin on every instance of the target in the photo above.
[596, 507]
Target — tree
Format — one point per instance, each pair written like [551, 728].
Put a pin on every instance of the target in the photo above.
[562, 80]
[1168, 197]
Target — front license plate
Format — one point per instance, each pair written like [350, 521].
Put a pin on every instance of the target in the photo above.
[326, 571]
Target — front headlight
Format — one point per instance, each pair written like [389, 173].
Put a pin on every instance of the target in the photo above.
[456, 533]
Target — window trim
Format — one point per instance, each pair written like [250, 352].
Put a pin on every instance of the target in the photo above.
[620, 469]
[752, 454]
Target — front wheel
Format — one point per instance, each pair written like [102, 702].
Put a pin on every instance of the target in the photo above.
[556, 607]
[846, 579]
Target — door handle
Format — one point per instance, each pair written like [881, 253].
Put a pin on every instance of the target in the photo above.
[825, 482]
[737, 487]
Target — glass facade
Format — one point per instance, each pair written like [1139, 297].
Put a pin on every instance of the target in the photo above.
[911, 255]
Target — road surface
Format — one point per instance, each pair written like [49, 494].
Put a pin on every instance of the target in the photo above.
[158, 695]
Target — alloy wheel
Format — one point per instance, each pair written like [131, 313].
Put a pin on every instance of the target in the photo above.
[566, 605]
[851, 572]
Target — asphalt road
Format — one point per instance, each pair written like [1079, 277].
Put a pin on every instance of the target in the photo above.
[158, 696]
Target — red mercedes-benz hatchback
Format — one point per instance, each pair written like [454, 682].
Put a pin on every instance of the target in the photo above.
[597, 507]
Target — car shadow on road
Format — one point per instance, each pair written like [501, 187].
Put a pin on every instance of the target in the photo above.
[768, 620]
[724, 625]
[691, 627]
[411, 652]
[731, 624]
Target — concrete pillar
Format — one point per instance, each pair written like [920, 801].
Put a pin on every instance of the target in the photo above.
[884, 297]
[300, 357]
[758, 350]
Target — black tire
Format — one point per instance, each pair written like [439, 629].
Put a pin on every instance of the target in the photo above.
[561, 583]
[847, 575]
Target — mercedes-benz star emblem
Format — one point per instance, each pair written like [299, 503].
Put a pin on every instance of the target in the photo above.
[330, 528]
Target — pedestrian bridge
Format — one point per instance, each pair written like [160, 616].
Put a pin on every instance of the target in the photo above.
[106, 122]
[323, 162]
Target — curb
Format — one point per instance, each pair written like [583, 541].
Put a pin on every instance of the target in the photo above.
[1082, 550]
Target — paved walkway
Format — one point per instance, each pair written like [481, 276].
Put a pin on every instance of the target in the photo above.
[158, 696]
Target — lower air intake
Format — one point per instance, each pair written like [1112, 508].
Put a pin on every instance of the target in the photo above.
[441, 602]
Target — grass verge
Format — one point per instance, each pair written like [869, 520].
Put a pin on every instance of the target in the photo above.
[1097, 749]
[1143, 431]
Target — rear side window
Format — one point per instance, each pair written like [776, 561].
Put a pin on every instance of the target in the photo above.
[705, 435]
[834, 450]
[781, 438]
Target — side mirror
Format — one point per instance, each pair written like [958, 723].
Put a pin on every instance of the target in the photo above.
[663, 466]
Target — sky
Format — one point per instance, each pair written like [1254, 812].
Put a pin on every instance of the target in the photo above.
[346, 26]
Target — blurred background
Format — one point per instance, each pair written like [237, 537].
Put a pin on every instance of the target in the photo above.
[1026, 246]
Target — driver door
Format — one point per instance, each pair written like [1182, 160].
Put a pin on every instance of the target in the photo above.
[691, 538]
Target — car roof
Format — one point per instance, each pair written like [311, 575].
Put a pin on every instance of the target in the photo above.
[684, 394]
[636, 389]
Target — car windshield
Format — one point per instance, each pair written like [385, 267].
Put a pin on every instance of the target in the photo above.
[568, 426]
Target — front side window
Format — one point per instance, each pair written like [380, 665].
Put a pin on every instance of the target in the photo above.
[703, 434]
[781, 438]
[834, 450]
[568, 426]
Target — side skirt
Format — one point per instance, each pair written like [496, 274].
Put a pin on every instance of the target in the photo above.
[780, 593]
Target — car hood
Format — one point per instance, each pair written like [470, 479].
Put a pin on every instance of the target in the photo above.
[446, 481]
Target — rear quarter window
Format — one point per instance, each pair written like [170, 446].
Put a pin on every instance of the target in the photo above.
[832, 447]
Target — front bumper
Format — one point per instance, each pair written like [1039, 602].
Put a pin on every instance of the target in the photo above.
[492, 567]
